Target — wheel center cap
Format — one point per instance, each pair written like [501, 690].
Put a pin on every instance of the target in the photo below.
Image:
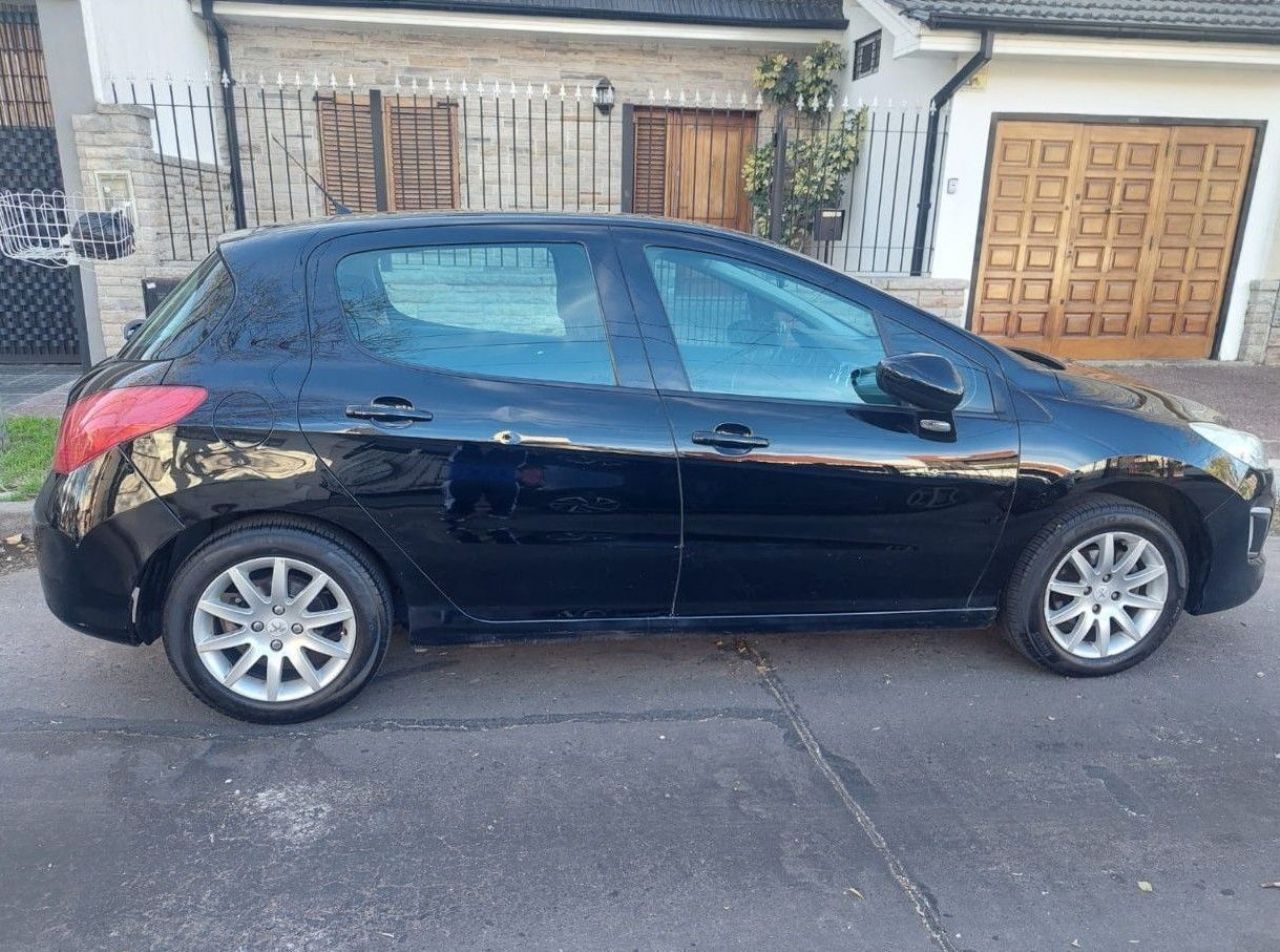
[276, 627]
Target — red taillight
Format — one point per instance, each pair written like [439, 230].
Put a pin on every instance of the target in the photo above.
[94, 424]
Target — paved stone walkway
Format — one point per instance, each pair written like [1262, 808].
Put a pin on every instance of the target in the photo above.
[35, 389]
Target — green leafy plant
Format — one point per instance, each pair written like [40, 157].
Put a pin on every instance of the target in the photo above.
[823, 143]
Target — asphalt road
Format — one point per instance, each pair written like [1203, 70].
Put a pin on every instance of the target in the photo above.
[878, 792]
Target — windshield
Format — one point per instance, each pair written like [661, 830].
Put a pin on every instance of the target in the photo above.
[187, 316]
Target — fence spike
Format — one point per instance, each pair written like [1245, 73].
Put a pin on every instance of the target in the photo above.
[431, 86]
[351, 81]
[713, 99]
[875, 103]
[844, 106]
[595, 94]
[831, 103]
[315, 80]
[562, 92]
[463, 86]
[651, 99]
[666, 96]
[683, 100]
[577, 93]
[414, 85]
[759, 100]
[528, 91]
[279, 80]
[226, 80]
[206, 77]
[546, 92]
[697, 97]
[513, 89]
[396, 85]
[448, 86]
[333, 81]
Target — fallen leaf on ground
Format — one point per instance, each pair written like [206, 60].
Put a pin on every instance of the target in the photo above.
[1275, 885]
[856, 894]
[1144, 885]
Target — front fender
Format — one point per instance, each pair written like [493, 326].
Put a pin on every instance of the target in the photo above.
[1203, 492]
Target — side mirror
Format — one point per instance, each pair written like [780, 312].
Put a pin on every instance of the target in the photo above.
[132, 328]
[927, 381]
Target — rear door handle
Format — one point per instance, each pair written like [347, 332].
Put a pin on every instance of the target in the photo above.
[733, 436]
[393, 412]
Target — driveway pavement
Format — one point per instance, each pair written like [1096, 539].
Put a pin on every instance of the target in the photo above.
[877, 792]
[1248, 394]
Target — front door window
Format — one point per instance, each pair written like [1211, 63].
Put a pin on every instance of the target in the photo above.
[748, 331]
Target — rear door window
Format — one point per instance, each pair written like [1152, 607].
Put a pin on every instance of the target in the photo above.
[525, 311]
[187, 317]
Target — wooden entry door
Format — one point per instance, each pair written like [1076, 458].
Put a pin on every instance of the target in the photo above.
[688, 164]
[1110, 241]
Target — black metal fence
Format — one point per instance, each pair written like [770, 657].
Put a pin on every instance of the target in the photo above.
[240, 154]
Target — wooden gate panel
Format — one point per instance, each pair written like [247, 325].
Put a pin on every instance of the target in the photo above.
[1193, 236]
[1106, 241]
[688, 164]
[1026, 221]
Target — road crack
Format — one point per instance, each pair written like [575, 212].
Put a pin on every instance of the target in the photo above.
[769, 678]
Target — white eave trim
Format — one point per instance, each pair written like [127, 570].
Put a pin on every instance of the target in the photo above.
[1072, 47]
[303, 14]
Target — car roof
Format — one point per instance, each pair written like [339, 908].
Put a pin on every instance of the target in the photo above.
[360, 223]
[313, 231]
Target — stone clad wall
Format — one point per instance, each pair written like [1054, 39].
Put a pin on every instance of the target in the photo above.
[1261, 341]
[118, 138]
[947, 298]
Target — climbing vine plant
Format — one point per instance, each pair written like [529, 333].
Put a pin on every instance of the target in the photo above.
[823, 142]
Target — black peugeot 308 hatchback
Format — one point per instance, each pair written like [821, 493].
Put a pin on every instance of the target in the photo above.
[517, 426]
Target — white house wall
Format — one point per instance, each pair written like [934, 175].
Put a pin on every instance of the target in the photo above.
[153, 41]
[880, 202]
[1047, 87]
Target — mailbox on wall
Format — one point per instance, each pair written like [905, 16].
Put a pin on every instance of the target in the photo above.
[155, 290]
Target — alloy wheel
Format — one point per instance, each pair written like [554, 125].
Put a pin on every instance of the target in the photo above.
[274, 629]
[1106, 595]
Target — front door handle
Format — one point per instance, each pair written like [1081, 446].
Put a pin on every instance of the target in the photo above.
[391, 411]
[731, 436]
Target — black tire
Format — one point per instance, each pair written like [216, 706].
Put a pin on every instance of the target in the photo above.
[1023, 611]
[340, 559]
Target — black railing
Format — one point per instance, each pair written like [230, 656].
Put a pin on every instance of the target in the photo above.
[310, 149]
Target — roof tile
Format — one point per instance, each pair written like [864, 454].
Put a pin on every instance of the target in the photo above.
[1259, 19]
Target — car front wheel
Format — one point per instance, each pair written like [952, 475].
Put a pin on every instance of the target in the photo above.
[1097, 590]
[276, 622]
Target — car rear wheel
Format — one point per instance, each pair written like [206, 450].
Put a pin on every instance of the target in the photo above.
[1097, 590]
[274, 622]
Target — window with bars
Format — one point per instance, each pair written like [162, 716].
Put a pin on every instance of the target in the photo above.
[419, 146]
[866, 55]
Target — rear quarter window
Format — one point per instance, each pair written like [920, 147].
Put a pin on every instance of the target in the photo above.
[186, 318]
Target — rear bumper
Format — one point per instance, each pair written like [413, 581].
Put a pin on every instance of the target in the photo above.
[95, 529]
[1236, 563]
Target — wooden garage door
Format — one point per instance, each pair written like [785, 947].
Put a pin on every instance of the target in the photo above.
[1109, 241]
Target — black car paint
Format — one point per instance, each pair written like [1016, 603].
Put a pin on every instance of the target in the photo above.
[853, 516]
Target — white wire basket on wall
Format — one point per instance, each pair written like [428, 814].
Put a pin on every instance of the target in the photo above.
[59, 229]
